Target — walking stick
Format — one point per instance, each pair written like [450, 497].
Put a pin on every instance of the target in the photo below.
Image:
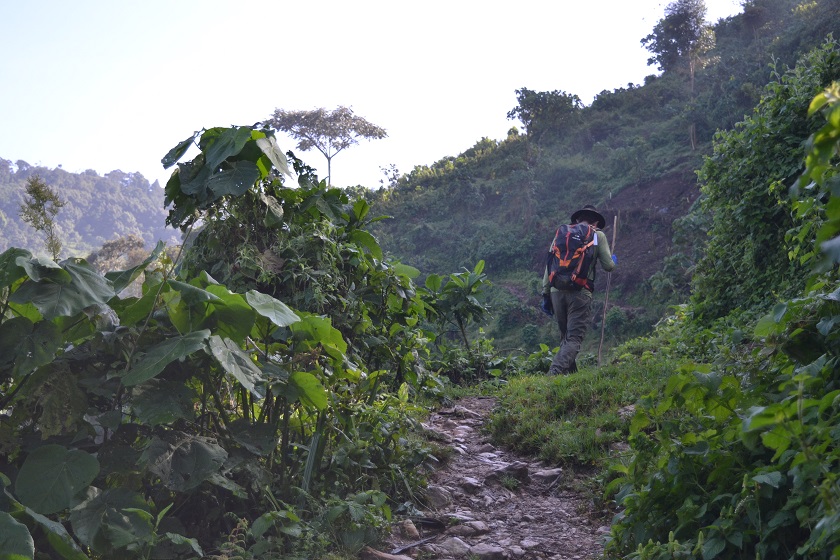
[607, 294]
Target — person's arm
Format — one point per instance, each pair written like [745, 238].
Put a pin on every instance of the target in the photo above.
[603, 252]
[546, 286]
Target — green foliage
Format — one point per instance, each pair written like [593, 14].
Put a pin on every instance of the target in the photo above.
[575, 419]
[738, 458]
[746, 190]
[207, 398]
[40, 205]
[98, 208]
[330, 132]
[456, 301]
[501, 200]
[542, 111]
[682, 35]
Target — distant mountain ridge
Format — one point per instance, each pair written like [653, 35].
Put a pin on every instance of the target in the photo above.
[98, 208]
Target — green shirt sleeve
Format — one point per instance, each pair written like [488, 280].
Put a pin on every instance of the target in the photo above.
[603, 252]
[546, 287]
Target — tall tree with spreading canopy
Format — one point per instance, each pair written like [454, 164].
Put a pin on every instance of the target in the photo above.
[541, 111]
[40, 205]
[681, 38]
[330, 132]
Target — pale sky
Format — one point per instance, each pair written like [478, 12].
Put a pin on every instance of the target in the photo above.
[114, 84]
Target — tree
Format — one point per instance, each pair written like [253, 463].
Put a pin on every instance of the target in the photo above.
[540, 111]
[682, 37]
[329, 132]
[40, 205]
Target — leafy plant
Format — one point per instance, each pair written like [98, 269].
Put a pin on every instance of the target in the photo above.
[738, 458]
[199, 398]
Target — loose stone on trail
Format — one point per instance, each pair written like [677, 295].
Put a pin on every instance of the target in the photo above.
[493, 504]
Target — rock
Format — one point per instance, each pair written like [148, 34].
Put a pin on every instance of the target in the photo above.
[469, 529]
[627, 411]
[369, 553]
[408, 529]
[547, 475]
[517, 470]
[455, 547]
[437, 435]
[461, 517]
[486, 551]
[481, 495]
[471, 485]
[466, 412]
[438, 496]
[528, 544]
[480, 527]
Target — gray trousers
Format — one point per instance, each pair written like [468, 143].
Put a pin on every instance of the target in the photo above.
[573, 311]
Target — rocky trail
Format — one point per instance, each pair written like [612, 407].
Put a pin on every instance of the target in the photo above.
[489, 504]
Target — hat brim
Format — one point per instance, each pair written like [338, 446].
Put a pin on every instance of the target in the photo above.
[599, 220]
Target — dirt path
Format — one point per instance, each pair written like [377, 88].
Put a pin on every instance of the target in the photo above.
[490, 504]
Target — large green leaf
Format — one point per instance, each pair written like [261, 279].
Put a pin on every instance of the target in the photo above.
[123, 278]
[234, 317]
[191, 295]
[161, 355]
[229, 143]
[305, 387]
[234, 181]
[52, 476]
[315, 329]
[273, 211]
[275, 154]
[159, 402]
[132, 310]
[86, 288]
[238, 364]
[364, 239]
[188, 305]
[112, 519]
[192, 176]
[15, 541]
[275, 310]
[27, 346]
[256, 438]
[177, 152]
[10, 271]
[183, 461]
[41, 269]
[406, 270]
[58, 537]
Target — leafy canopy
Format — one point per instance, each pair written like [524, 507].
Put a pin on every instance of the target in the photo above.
[330, 132]
[682, 34]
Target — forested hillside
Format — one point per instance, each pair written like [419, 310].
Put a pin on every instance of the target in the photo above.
[632, 152]
[98, 208]
[260, 394]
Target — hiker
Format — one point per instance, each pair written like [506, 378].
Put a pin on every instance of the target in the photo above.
[571, 301]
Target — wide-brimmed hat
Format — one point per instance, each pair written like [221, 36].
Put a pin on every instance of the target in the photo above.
[591, 215]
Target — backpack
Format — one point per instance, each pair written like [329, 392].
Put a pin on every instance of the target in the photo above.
[570, 257]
